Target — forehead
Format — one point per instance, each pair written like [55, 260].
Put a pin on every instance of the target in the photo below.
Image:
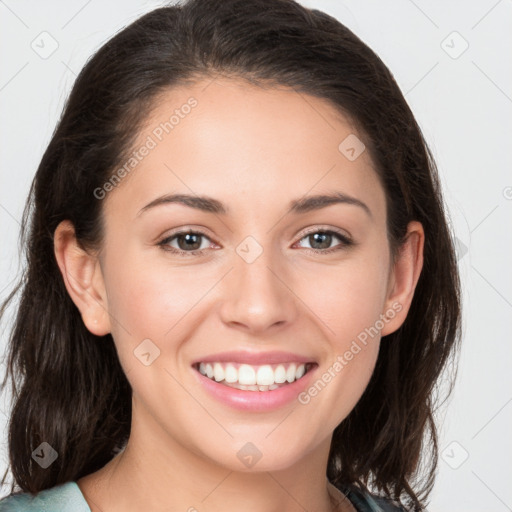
[246, 145]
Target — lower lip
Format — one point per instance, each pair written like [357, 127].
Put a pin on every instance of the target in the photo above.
[256, 401]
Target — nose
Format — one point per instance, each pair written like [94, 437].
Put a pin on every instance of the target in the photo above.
[258, 295]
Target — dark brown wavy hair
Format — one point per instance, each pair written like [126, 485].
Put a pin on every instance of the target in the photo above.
[68, 386]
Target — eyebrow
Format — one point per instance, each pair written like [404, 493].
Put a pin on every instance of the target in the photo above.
[297, 206]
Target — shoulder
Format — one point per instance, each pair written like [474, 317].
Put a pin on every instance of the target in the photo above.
[65, 497]
[366, 502]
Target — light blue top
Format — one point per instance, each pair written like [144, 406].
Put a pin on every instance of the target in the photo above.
[66, 497]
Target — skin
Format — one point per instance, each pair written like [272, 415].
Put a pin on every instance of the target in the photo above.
[254, 150]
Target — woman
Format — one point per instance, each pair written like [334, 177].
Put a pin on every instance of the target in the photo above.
[241, 288]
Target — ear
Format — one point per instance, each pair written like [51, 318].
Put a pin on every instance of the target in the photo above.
[83, 279]
[403, 278]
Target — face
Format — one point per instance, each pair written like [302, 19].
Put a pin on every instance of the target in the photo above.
[254, 276]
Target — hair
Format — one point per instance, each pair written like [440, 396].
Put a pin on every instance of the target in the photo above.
[69, 388]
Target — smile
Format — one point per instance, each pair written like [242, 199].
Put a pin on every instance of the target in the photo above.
[266, 377]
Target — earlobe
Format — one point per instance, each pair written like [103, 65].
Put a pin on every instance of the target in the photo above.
[404, 277]
[83, 279]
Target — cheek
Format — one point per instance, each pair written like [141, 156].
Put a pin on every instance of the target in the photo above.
[348, 298]
[156, 303]
[352, 316]
[149, 299]
[350, 308]
[349, 302]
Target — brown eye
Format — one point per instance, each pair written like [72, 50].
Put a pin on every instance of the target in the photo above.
[187, 242]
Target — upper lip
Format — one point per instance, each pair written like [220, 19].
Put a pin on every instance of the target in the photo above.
[254, 358]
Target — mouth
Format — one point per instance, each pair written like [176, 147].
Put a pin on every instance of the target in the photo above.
[248, 377]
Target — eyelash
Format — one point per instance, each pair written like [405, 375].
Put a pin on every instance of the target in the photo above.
[346, 242]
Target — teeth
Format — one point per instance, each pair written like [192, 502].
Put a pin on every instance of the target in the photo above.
[246, 375]
[218, 372]
[251, 388]
[265, 375]
[253, 378]
[290, 373]
[280, 374]
[231, 373]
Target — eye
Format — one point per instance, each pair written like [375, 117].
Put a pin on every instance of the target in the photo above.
[189, 243]
[320, 241]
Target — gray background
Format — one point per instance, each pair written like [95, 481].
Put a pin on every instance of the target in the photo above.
[462, 98]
